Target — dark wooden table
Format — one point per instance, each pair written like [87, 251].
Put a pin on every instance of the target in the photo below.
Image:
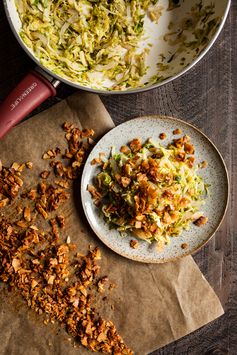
[207, 97]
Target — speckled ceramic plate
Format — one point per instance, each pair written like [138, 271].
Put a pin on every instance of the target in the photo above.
[215, 175]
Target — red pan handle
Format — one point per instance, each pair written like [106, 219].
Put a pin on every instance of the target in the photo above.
[28, 94]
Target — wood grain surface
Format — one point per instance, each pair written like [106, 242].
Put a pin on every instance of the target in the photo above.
[207, 97]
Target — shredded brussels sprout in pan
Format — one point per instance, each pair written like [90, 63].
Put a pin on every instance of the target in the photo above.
[88, 41]
[153, 191]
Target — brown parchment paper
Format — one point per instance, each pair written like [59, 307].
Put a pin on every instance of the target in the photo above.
[153, 304]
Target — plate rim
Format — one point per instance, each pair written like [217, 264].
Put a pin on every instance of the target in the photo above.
[194, 250]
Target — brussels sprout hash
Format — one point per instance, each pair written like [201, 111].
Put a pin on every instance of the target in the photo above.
[150, 190]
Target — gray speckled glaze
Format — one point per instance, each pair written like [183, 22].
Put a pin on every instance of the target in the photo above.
[215, 175]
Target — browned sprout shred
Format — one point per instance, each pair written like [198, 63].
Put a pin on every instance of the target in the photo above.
[51, 277]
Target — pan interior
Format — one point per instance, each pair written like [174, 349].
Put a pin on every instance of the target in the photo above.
[181, 34]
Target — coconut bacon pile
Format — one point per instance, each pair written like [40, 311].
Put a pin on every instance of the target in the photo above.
[50, 275]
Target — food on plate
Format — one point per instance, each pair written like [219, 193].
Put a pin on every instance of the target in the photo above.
[184, 246]
[41, 263]
[87, 41]
[177, 131]
[162, 136]
[151, 190]
[203, 164]
[201, 221]
[134, 244]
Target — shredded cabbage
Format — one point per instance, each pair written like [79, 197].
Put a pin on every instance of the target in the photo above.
[88, 41]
